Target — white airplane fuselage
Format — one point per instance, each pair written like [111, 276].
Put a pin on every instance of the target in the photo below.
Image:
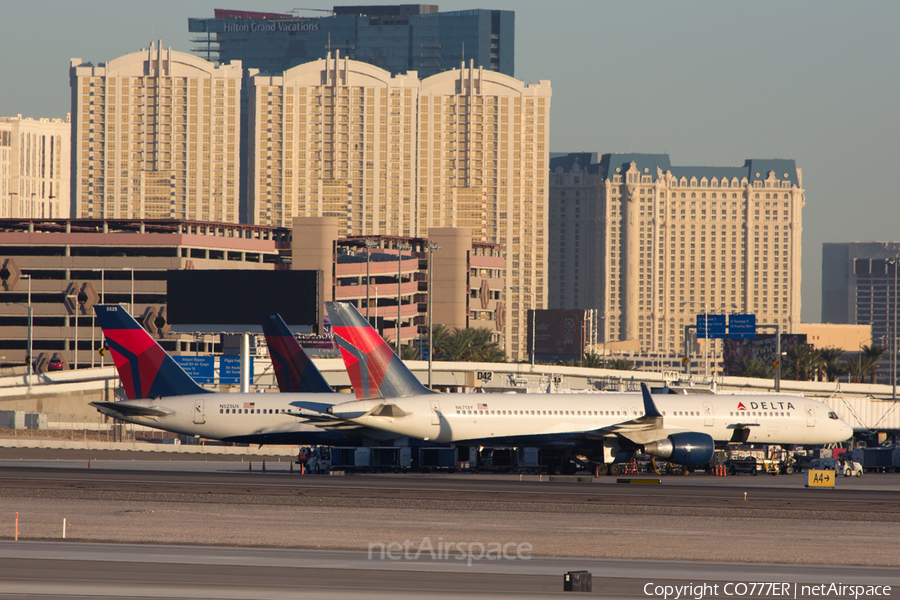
[250, 418]
[551, 418]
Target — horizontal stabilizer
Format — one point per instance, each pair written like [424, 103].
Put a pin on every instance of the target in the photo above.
[312, 415]
[322, 420]
[129, 410]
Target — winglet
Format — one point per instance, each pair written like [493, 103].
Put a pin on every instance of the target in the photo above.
[145, 369]
[650, 409]
[373, 368]
[294, 370]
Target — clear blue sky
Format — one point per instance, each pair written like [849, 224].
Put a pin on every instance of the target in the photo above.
[710, 83]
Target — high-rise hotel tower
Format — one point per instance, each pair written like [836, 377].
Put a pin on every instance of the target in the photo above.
[651, 245]
[155, 136]
[399, 155]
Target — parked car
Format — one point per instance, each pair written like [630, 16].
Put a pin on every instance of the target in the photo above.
[55, 364]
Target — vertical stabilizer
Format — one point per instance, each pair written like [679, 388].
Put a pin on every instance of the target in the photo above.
[294, 370]
[374, 370]
[146, 370]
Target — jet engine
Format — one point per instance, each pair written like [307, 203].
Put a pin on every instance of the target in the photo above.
[687, 448]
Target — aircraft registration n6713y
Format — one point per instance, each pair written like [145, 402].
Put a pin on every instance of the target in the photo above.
[604, 427]
[161, 395]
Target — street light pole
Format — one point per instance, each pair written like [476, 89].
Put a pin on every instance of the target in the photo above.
[431, 248]
[705, 340]
[30, 333]
[131, 310]
[778, 354]
[77, 303]
[894, 262]
[376, 309]
[28, 348]
[533, 318]
[518, 288]
[370, 243]
[400, 248]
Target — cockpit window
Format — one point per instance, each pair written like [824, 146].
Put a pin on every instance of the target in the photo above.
[832, 415]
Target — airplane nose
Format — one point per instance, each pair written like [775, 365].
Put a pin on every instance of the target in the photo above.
[846, 431]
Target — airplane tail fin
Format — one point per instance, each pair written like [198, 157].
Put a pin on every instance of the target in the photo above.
[146, 370]
[374, 370]
[294, 370]
[650, 409]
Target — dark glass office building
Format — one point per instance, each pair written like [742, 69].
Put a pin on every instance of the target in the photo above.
[401, 38]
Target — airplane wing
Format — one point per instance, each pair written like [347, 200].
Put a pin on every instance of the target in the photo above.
[114, 409]
[678, 445]
[642, 430]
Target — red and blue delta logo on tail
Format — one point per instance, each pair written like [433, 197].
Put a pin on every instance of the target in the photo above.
[146, 370]
[293, 368]
[374, 370]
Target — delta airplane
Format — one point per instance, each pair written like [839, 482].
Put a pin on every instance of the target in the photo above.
[161, 395]
[606, 428]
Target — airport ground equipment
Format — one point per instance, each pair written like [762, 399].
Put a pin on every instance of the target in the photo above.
[882, 459]
[825, 464]
[852, 468]
[365, 459]
[371, 458]
[500, 459]
[441, 458]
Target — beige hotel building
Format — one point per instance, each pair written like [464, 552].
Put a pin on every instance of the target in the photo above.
[651, 245]
[34, 168]
[155, 135]
[400, 156]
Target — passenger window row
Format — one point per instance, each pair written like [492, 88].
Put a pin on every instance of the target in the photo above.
[252, 411]
[572, 413]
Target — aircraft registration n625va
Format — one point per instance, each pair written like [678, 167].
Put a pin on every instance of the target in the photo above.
[679, 428]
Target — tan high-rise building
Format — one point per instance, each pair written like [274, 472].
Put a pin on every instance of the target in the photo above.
[652, 245]
[156, 136]
[34, 168]
[399, 156]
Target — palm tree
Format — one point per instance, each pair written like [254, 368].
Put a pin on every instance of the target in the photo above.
[439, 335]
[754, 367]
[458, 344]
[620, 364]
[592, 360]
[803, 361]
[830, 364]
[856, 367]
[473, 345]
[483, 348]
[872, 354]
